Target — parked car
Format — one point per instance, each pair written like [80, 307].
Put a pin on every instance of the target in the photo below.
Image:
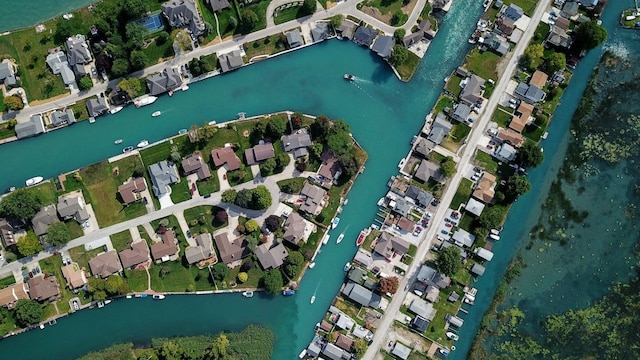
[76, 306]
[444, 232]
[188, 233]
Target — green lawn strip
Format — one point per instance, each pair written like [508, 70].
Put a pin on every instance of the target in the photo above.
[136, 279]
[331, 207]
[269, 45]
[209, 186]
[80, 110]
[53, 266]
[46, 192]
[180, 192]
[255, 274]
[309, 247]
[551, 102]
[211, 60]
[6, 281]
[143, 234]
[534, 132]
[74, 228]
[170, 276]
[156, 153]
[8, 324]
[5, 132]
[3, 107]
[370, 238]
[436, 157]
[409, 66]
[444, 101]
[385, 6]
[466, 223]
[483, 64]
[436, 329]
[121, 240]
[294, 183]
[487, 162]
[156, 53]
[288, 15]
[459, 132]
[462, 194]
[412, 250]
[502, 117]
[201, 219]
[453, 85]
[82, 257]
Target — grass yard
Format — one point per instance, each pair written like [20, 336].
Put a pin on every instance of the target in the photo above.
[80, 110]
[527, 5]
[143, 234]
[53, 265]
[210, 185]
[443, 307]
[541, 33]
[121, 240]
[453, 85]
[459, 132]
[462, 194]
[255, 274]
[74, 229]
[483, 64]
[180, 192]
[409, 66]
[170, 276]
[331, 208]
[502, 117]
[534, 132]
[201, 219]
[269, 45]
[486, 162]
[385, 6]
[6, 281]
[443, 102]
[136, 279]
[82, 257]
[289, 14]
[157, 53]
[46, 192]
[295, 184]
[5, 132]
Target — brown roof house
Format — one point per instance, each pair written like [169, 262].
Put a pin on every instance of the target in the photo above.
[105, 264]
[511, 136]
[259, 153]
[225, 155]
[8, 228]
[74, 275]
[406, 224]
[136, 254]
[72, 206]
[43, 289]
[231, 251]
[271, 258]
[344, 342]
[45, 217]
[329, 170]
[203, 250]
[428, 170]
[313, 199]
[294, 229]
[486, 188]
[521, 117]
[166, 248]
[130, 192]
[10, 295]
[539, 79]
[387, 245]
[194, 163]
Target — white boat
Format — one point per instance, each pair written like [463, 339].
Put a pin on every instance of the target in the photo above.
[143, 143]
[156, 113]
[452, 336]
[347, 266]
[312, 265]
[34, 180]
[184, 87]
[116, 109]
[158, 297]
[325, 240]
[107, 302]
[248, 294]
[92, 120]
[100, 304]
[313, 299]
[349, 77]
[41, 326]
[494, 237]
[129, 296]
[119, 141]
[335, 222]
[302, 354]
[339, 239]
[127, 149]
[145, 101]
[495, 232]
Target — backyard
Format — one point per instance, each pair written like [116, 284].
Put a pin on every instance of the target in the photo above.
[121, 240]
[409, 66]
[82, 256]
[201, 219]
[269, 45]
[483, 64]
[462, 194]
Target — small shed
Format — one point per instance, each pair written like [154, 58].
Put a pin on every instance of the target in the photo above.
[477, 270]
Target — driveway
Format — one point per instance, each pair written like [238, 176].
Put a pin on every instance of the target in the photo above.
[165, 201]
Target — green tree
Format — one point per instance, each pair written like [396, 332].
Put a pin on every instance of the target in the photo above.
[556, 61]
[135, 8]
[320, 128]
[58, 234]
[138, 60]
[244, 198]
[399, 55]
[282, 160]
[131, 86]
[195, 67]
[309, 7]
[448, 167]
[162, 38]
[13, 102]
[399, 18]
[272, 281]
[28, 312]
[243, 277]
[349, 166]
[66, 28]
[183, 40]
[85, 83]
[295, 260]
[99, 295]
[29, 244]
[517, 185]
[277, 127]
[249, 19]
[360, 347]
[399, 34]
[120, 67]
[11, 123]
[220, 345]
[21, 203]
[339, 142]
[171, 351]
[135, 33]
[448, 261]
[229, 196]
[588, 35]
[267, 167]
[115, 285]
[336, 20]
[251, 226]
[219, 271]
[491, 217]
[531, 53]
[252, 242]
[530, 154]
[261, 198]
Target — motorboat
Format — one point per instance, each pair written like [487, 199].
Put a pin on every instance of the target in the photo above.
[494, 237]
[116, 109]
[335, 222]
[184, 87]
[349, 77]
[288, 292]
[100, 304]
[339, 239]
[145, 101]
[248, 294]
[143, 143]
[34, 180]
[107, 302]
[158, 297]
[495, 232]
[325, 239]
[347, 266]
[41, 326]
[312, 265]
[127, 149]
[361, 237]
[182, 131]
[313, 299]
[156, 113]
[452, 336]
[119, 141]
[129, 296]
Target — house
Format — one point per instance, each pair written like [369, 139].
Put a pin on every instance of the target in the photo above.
[58, 64]
[230, 61]
[361, 332]
[483, 254]
[8, 228]
[330, 169]
[194, 164]
[477, 270]
[320, 31]
[225, 155]
[463, 238]
[332, 352]
[259, 153]
[363, 259]
[428, 170]
[364, 36]
[513, 12]
[406, 224]
[530, 93]
[344, 322]
[97, 106]
[203, 249]
[505, 26]
[33, 127]
[419, 324]
[66, 117]
[167, 80]
[326, 326]
[570, 9]
[521, 118]
[431, 277]
[383, 45]
[422, 308]
[474, 207]
[485, 191]
[454, 320]
[356, 274]
[344, 342]
[105, 264]
[72, 206]
[78, 53]
[357, 293]
[163, 174]
[218, 5]
[10, 295]
[294, 228]
[412, 38]
[400, 206]
[432, 293]
[497, 43]
[419, 196]
[510, 136]
[294, 39]
[74, 276]
[461, 112]
[471, 94]
[346, 28]
[167, 247]
[8, 74]
[562, 23]
[137, 253]
[271, 258]
[231, 251]
[184, 14]
[313, 199]
[424, 147]
[400, 351]
[297, 144]
[505, 152]
[387, 245]
[43, 289]
[441, 127]
[539, 79]
[130, 192]
[43, 218]
[559, 38]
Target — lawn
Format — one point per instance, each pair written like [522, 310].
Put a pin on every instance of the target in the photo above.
[459, 132]
[443, 307]
[483, 64]
[9, 280]
[289, 14]
[453, 85]
[527, 5]
[255, 274]
[462, 194]
[331, 207]
[502, 117]
[209, 186]
[144, 235]
[201, 219]
[443, 102]
[82, 257]
[5, 132]
[170, 276]
[534, 132]
[385, 6]
[269, 45]
[487, 162]
[180, 192]
[46, 192]
[80, 110]
[53, 265]
[157, 53]
[74, 228]
[409, 66]
[121, 240]
[157, 153]
[295, 184]
[136, 279]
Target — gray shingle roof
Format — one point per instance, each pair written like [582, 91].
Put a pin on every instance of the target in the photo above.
[184, 13]
[45, 217]
[271, 258]
[230, 61]
[77, 50]
[294, 39]
[473, 90]
[461, 112]
[168, 79]
[97, 107]
[364, 36]
[296, 141]
[61, 118]
[33, 127]
[384, 45]
[163, 174]
[294, 229]
[357, 293]
[428, 170]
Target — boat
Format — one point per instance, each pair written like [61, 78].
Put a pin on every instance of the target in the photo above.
[182, 131]
[116, 109]
[349, 77]
[145, 101]
[127, 149]
[53, 322]
[312, 265]
[184, 87]
[156, 113]
[41, 326]
[143, 143]
[143, 295]
[339, 239]
[494, 237]
[34, 180]
[288, 292]
[129, 296]
[325, 239]
[335, 222]
[313, 299]
[107, 302]
[100, 304]
[302, 354]
[92, 120]
[347, 266]
[486, 4]
[158, 297]
[452, 336]
[361, 237]
[495, 231]
[119, 141]
[248, 294]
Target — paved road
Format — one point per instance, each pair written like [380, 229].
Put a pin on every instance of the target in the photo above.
[383, 328]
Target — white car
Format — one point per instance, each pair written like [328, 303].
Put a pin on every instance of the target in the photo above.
[1, 257]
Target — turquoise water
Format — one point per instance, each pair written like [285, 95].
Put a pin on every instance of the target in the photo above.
[17, 14]
[383, 113]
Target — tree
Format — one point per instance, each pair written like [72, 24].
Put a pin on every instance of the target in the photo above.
[531, 53]
[340, 142]
[320, 128]
[336, 20]
[448, 167]
[28, 312]
[249, 19]
[131, 86]
[491, 217]
[251, 226]
[295, 260]
[135, 33]
[229, 196]
[170, 350]
[276, 128]
[399, 18]
[267, 167]
[183, 40]
[115, 285]
[349, 165]
[272, 222]
[29, 244]
[220, 345]
[162, 38]
[448, 261]
[120, 67]
[219, 271]
[517, 185]
[272, 281]
[282, 160]
[138, 60]
[11, 123]
[399, 34]
[221, 216]
[309, 7]
[233, 22]
[588, 35]
[389, 285]
[135, 8]
[85, 83]
[252, 242]
[261, 198]
[399, 55]
[555, 62]
[58, 234]
[13, 102]
[21, 203]
[244, 198]
[243, 277]
[530, 154]
[360, 347]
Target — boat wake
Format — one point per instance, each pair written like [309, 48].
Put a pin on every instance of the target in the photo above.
[619, 49]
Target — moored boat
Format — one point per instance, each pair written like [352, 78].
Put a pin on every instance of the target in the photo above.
[312, 265]
[495, 231]
[248, 294]
[107, 302]
[156, 113]
[127, 149]
[288, 292]
[325, 239]
[182, 131]
[361, 237]
[143, 143]
[335, 222]
[347, 266]
[494, 237]
[116, 109]
[158, 297]
[452, 336]
[339, 239]
[145, 101]
[34, 180]
[184, 87]
[349, 77]
[119, 141]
